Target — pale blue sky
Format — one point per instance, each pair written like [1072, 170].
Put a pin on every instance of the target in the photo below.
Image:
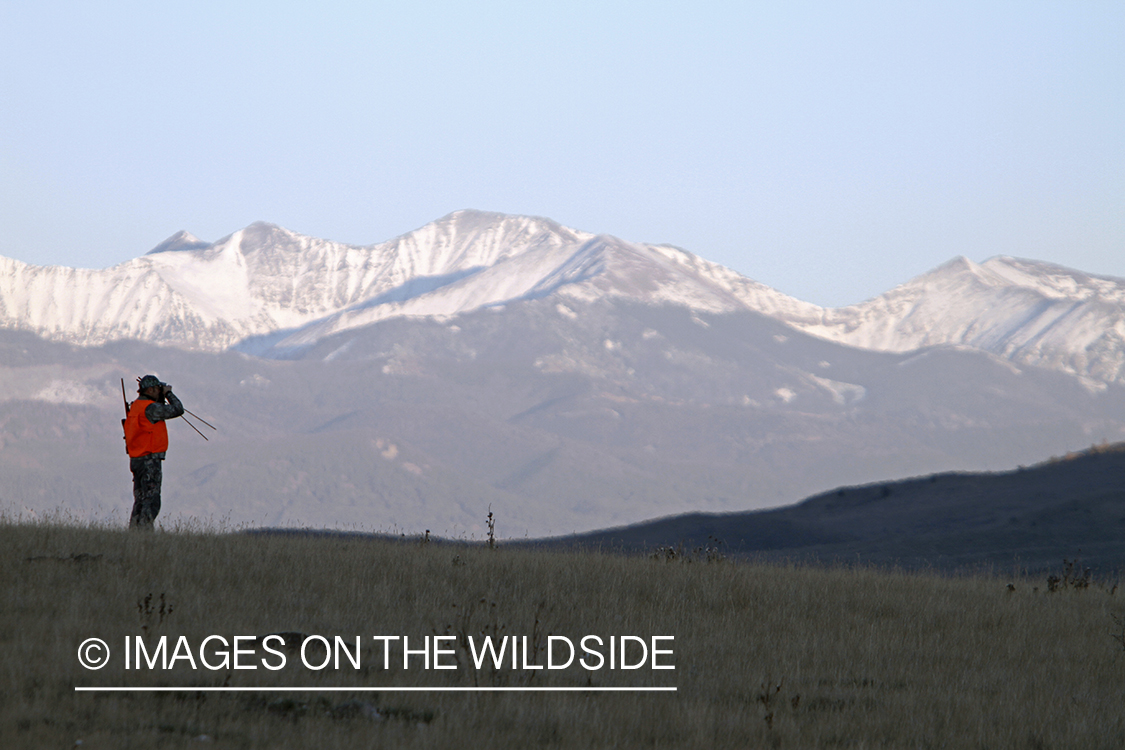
[829, 149]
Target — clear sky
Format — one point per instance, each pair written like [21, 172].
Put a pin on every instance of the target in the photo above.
[831, 150]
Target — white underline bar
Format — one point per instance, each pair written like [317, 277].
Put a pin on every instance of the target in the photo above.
[375, 689]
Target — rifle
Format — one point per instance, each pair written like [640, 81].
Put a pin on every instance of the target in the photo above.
[125, 400]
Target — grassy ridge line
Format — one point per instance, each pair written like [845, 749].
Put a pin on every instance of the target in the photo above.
[766, 656]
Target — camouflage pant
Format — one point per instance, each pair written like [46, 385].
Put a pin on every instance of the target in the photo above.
[146, 491]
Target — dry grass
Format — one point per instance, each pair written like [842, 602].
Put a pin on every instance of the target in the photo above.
[766, 656]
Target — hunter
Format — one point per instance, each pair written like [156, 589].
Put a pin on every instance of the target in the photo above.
[146, 441]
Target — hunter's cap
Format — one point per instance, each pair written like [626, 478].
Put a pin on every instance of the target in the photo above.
[148, 381]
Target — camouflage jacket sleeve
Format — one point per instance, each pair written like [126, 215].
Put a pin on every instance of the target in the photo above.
[157, 412]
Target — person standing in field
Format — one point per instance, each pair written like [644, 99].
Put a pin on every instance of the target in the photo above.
[146, 441]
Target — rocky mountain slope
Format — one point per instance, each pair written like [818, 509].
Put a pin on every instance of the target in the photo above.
[558, 421]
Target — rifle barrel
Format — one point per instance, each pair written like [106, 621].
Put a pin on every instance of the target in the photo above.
[125, 400]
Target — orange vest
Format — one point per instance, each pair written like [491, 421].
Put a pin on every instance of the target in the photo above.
[142, 436]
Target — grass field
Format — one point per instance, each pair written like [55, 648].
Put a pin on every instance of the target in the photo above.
[765, 656]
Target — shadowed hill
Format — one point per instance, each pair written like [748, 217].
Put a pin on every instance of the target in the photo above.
[1032, 518]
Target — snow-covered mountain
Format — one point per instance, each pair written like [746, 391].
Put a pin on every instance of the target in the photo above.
[265, 281]
[270, 291]
[257, 281]
[1026, 311]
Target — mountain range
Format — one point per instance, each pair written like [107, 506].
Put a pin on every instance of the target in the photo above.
[268, 290]
[570, 380]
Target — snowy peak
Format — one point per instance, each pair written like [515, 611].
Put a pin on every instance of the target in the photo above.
[470, 239]
[181, 240]
[959, 275]
[1023, 310]
[261, 234]
[1002, 271]
[1055, 282]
